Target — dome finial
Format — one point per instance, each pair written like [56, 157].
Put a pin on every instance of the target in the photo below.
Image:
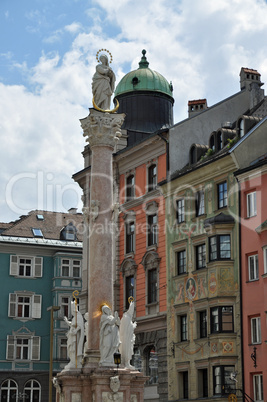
[143, 63]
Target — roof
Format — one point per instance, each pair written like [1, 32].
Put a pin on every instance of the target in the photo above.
[143, 79]
[49, 223]
[250, 71]
[197, 102]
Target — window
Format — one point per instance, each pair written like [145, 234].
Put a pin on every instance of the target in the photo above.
[9, 390]
[129, 237]
[71, 268]
[265, 259]
[222, 383]
[65, 306]
[203, 383]
[32, 391]
[23, 347]
[151, 363]
[219, 141]
[201, 256]
[212, 142]
[183, 328]
[253, 267]
[129, 289]
[40, 217]
[258, 388]
[130, 187]
[152, 286]
[180, 210]
[37, 232]
[222, 195]
[152, 229]
[185, 384]
[255, 330]
[152, 177]
[28, 267]
[23, 305]
[251, 204]
[63, 349]
[222, 319]
[200, 203]
[220, 247]
[69, 232]
[202, 324]
[241, 128]
[181, 262]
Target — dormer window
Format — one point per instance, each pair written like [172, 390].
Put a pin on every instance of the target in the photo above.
[193, 157]
[241, 128]
[69, 232]
[37, 232]
[219, 141]
[212, 142]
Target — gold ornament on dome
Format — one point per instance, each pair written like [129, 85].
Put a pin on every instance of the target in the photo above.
[103, 50]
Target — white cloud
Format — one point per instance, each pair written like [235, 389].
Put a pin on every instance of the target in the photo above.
[200, 46]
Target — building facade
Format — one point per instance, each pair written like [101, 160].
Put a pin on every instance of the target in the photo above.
[250, 157]
[41, 259]
[202, 235]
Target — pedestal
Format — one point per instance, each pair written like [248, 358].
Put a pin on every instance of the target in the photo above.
[100, 385]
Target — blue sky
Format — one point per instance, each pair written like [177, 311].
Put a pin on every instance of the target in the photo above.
[47, 59]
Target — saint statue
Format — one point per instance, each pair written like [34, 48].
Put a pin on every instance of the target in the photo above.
[75, 338]
[103, 83]
[109, 336]
[127, 336]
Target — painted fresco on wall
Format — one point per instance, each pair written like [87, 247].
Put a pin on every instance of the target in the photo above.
[226, 283]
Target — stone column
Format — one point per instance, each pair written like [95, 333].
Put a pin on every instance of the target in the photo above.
[102, 131]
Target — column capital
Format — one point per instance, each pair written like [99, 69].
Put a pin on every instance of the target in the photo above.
[102, 129]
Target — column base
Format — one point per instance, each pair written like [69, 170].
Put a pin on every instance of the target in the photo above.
[100, 384]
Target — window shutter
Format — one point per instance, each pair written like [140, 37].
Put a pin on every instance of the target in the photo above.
[10, 347]
[12, 305]
[38, 267]
[36, 347]
[259, 329]
[36, 306]
[13, 265]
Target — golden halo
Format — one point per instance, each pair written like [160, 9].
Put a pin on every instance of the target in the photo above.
[103, 50]
[106, 111]
[104, 304]
[130, 299]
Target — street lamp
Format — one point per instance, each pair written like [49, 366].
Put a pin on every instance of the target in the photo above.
[51, 309]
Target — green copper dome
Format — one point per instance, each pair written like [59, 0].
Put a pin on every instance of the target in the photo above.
[143, 79]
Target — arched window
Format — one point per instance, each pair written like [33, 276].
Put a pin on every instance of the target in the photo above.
[32, 391]
[9, 391]
[212, 142]
[241, 128]
[219, 141]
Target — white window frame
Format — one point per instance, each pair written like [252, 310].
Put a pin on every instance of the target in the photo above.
[255, 322]
[62, 345]
[70, 262]
[258, 387]
[10, 388]
[36, 266]
[253, 265]
[30, 386]
[33, 347]
[265, 259]
[35, 305]
[251, 204]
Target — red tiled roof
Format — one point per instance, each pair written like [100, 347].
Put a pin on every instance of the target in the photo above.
[197, 102]
[250, 70]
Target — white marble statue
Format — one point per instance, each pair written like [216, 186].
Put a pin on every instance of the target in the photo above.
[109, 336]
[75, 338]
[103, 83]
[127, 336]
[86, 316]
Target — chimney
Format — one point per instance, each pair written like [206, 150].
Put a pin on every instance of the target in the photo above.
[196, 106]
